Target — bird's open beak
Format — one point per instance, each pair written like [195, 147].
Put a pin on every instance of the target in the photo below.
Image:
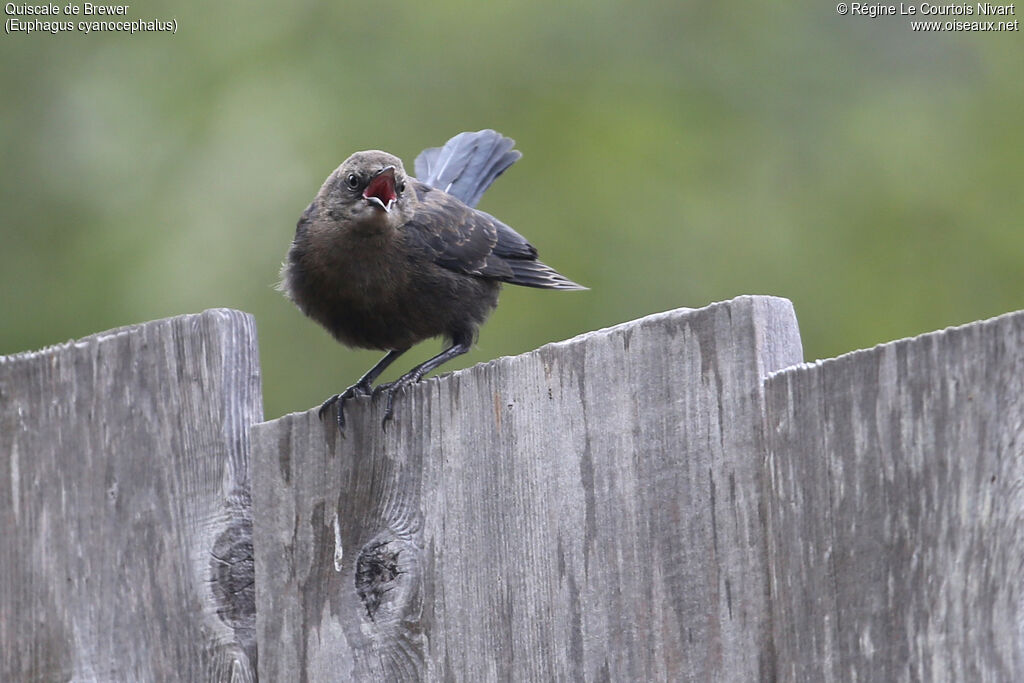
[381, 190]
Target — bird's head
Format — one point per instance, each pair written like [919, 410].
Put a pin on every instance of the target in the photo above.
[365, 190]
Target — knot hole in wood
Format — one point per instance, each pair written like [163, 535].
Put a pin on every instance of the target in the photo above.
[387, 572]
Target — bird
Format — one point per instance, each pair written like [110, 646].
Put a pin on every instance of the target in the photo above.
[383, 260]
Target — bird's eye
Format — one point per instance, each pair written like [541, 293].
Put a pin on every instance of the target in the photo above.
[400, 187]
[352, 180]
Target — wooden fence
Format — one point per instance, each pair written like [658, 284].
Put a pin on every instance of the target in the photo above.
[675, 498]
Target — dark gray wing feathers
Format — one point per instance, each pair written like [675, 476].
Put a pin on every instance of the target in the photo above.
[533, 273]
[463, 239]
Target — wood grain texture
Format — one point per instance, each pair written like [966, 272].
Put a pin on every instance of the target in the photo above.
[125, 533]
[591, 510]
[896, 510]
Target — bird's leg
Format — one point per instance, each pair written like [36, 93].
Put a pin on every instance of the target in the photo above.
[360, 388]
[460, 346]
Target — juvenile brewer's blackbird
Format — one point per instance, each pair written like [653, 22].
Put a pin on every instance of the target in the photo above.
[385, 261]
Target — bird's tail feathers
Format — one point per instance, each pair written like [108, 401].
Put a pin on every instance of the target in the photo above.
[467, 164]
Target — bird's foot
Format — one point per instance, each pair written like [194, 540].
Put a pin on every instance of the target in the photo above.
[357, 389]
[390, 389]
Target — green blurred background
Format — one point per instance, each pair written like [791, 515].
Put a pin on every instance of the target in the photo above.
[675, 154]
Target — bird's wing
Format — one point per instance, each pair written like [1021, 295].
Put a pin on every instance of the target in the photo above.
[468, 241]
[467, 164]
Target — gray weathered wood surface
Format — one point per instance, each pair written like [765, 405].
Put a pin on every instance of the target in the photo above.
[896, 509]
[591, 510]
[126, 539]
[638, 503]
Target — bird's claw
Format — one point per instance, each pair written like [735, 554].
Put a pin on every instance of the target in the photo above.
[364, 389]
[390, 389]
[325, 406]
[358, 389]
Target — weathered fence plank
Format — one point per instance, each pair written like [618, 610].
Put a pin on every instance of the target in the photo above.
[896, 510]
[124, 508]
[591, 510]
